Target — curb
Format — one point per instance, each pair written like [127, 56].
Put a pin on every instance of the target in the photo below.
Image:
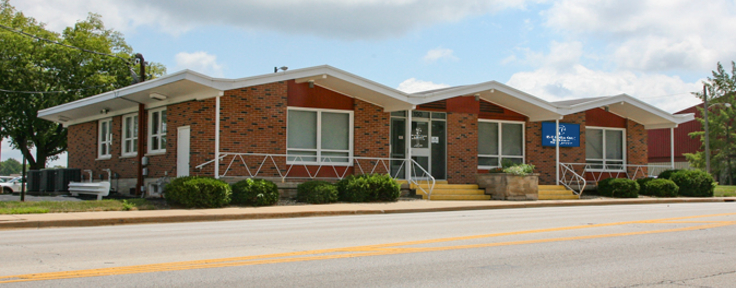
[34, 224]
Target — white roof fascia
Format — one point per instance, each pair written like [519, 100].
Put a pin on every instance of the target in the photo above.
[674, 119]
[354, 79]
[150, 84]
[483, 87]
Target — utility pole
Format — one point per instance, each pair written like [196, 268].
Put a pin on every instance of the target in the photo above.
[707, 136]
[23, 181]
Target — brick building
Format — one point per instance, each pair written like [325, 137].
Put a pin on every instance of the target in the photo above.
[324, 122]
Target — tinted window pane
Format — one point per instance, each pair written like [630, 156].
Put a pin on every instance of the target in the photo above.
[335, 131]
[512, 139]
[614, 145]
[594, 144]
[302, 129]
[488, 138]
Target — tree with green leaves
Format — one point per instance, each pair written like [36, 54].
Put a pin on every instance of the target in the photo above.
[721, 90]
[10, 166]
[36, 73]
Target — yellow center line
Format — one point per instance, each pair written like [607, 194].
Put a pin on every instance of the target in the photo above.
[370, 250]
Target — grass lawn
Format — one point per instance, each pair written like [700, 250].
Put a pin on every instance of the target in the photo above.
[17, 207]
[725, 191]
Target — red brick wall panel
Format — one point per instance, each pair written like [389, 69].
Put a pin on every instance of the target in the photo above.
[544, 158]
[462, 147]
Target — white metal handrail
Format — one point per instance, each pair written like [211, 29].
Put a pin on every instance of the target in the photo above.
[570, 178]
[598, 170]
[284, 167]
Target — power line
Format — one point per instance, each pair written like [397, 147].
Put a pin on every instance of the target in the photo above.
[57, 43]
[50, 92]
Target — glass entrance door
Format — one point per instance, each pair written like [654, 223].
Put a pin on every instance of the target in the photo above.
[427, 141]
[398, 147]
[420, 147]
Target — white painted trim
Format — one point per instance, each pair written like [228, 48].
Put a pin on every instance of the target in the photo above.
[108, 140]
[217, 136]
[557, 151]
[162, 148]
[134, 138]
[319, 150]
[672, 147]
[624, 144]
[500, 142]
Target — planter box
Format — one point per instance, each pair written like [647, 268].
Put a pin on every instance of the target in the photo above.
[503, 186]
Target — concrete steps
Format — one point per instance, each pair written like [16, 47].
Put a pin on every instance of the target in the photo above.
[556, 192]
[454, 192]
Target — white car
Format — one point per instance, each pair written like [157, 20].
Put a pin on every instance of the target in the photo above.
[11, 186]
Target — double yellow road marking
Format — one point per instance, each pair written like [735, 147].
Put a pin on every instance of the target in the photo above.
[375, 250]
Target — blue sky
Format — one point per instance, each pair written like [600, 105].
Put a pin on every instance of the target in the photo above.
[658, 51]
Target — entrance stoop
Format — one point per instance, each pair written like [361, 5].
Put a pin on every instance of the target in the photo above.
[556, 192]
[444, 191]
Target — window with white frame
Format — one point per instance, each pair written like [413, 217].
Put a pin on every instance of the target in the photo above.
[605, 148]
[319, 136]
[130, 135]
[104, 138]
[157, 131]
[500, 142]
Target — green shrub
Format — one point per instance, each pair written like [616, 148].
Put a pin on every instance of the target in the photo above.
[368, 187]
[520, 169]
[255, 192]
[694, 183]
[198, 192]
[667, 174]
[316, 192]
[661, 188]
[618, 188]
[642, 187]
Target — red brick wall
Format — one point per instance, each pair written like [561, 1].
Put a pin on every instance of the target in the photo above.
[462, 147]
[200, 117]
[544, 158]
[637, 146]
[253, 120]
[82, 149]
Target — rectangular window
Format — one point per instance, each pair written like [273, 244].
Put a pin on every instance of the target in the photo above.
[500, 142]
[130, 135]
[319, 136]
[104, 137]
[157, 131]
[605, 149]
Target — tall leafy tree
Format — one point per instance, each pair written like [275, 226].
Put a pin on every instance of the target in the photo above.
[10, 166]
[65, 74]
[721, 90]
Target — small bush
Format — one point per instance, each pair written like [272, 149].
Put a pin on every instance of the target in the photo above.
[520, 169]
[255, 192]
[198, 192]
[316, 192]
[618, 188]
[661, 188]
[694, 183]
[642, 187]
[667, 174]
[368, 187]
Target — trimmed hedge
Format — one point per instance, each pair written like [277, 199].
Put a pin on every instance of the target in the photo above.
[618, 188]
[258, 192]
[667, 174]
[694, 183]
[368, 187]
[198, 192]
[642, 186]
[316, 192]
[661, 188]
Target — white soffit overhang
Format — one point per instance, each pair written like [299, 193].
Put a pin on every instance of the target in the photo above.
[181, 86]
[500, 94]
[360, 88]
[629, 107]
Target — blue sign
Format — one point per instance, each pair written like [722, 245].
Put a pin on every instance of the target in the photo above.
[569, 134]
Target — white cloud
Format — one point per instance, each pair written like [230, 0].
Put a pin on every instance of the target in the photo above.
[439, 53]
[669, 93]
[345, 19]
[412, 85]
[652, 35]
[201, 62]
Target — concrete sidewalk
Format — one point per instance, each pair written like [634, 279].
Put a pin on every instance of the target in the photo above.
[82, 219]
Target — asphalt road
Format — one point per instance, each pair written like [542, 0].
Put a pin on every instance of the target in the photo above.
[676, 245]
